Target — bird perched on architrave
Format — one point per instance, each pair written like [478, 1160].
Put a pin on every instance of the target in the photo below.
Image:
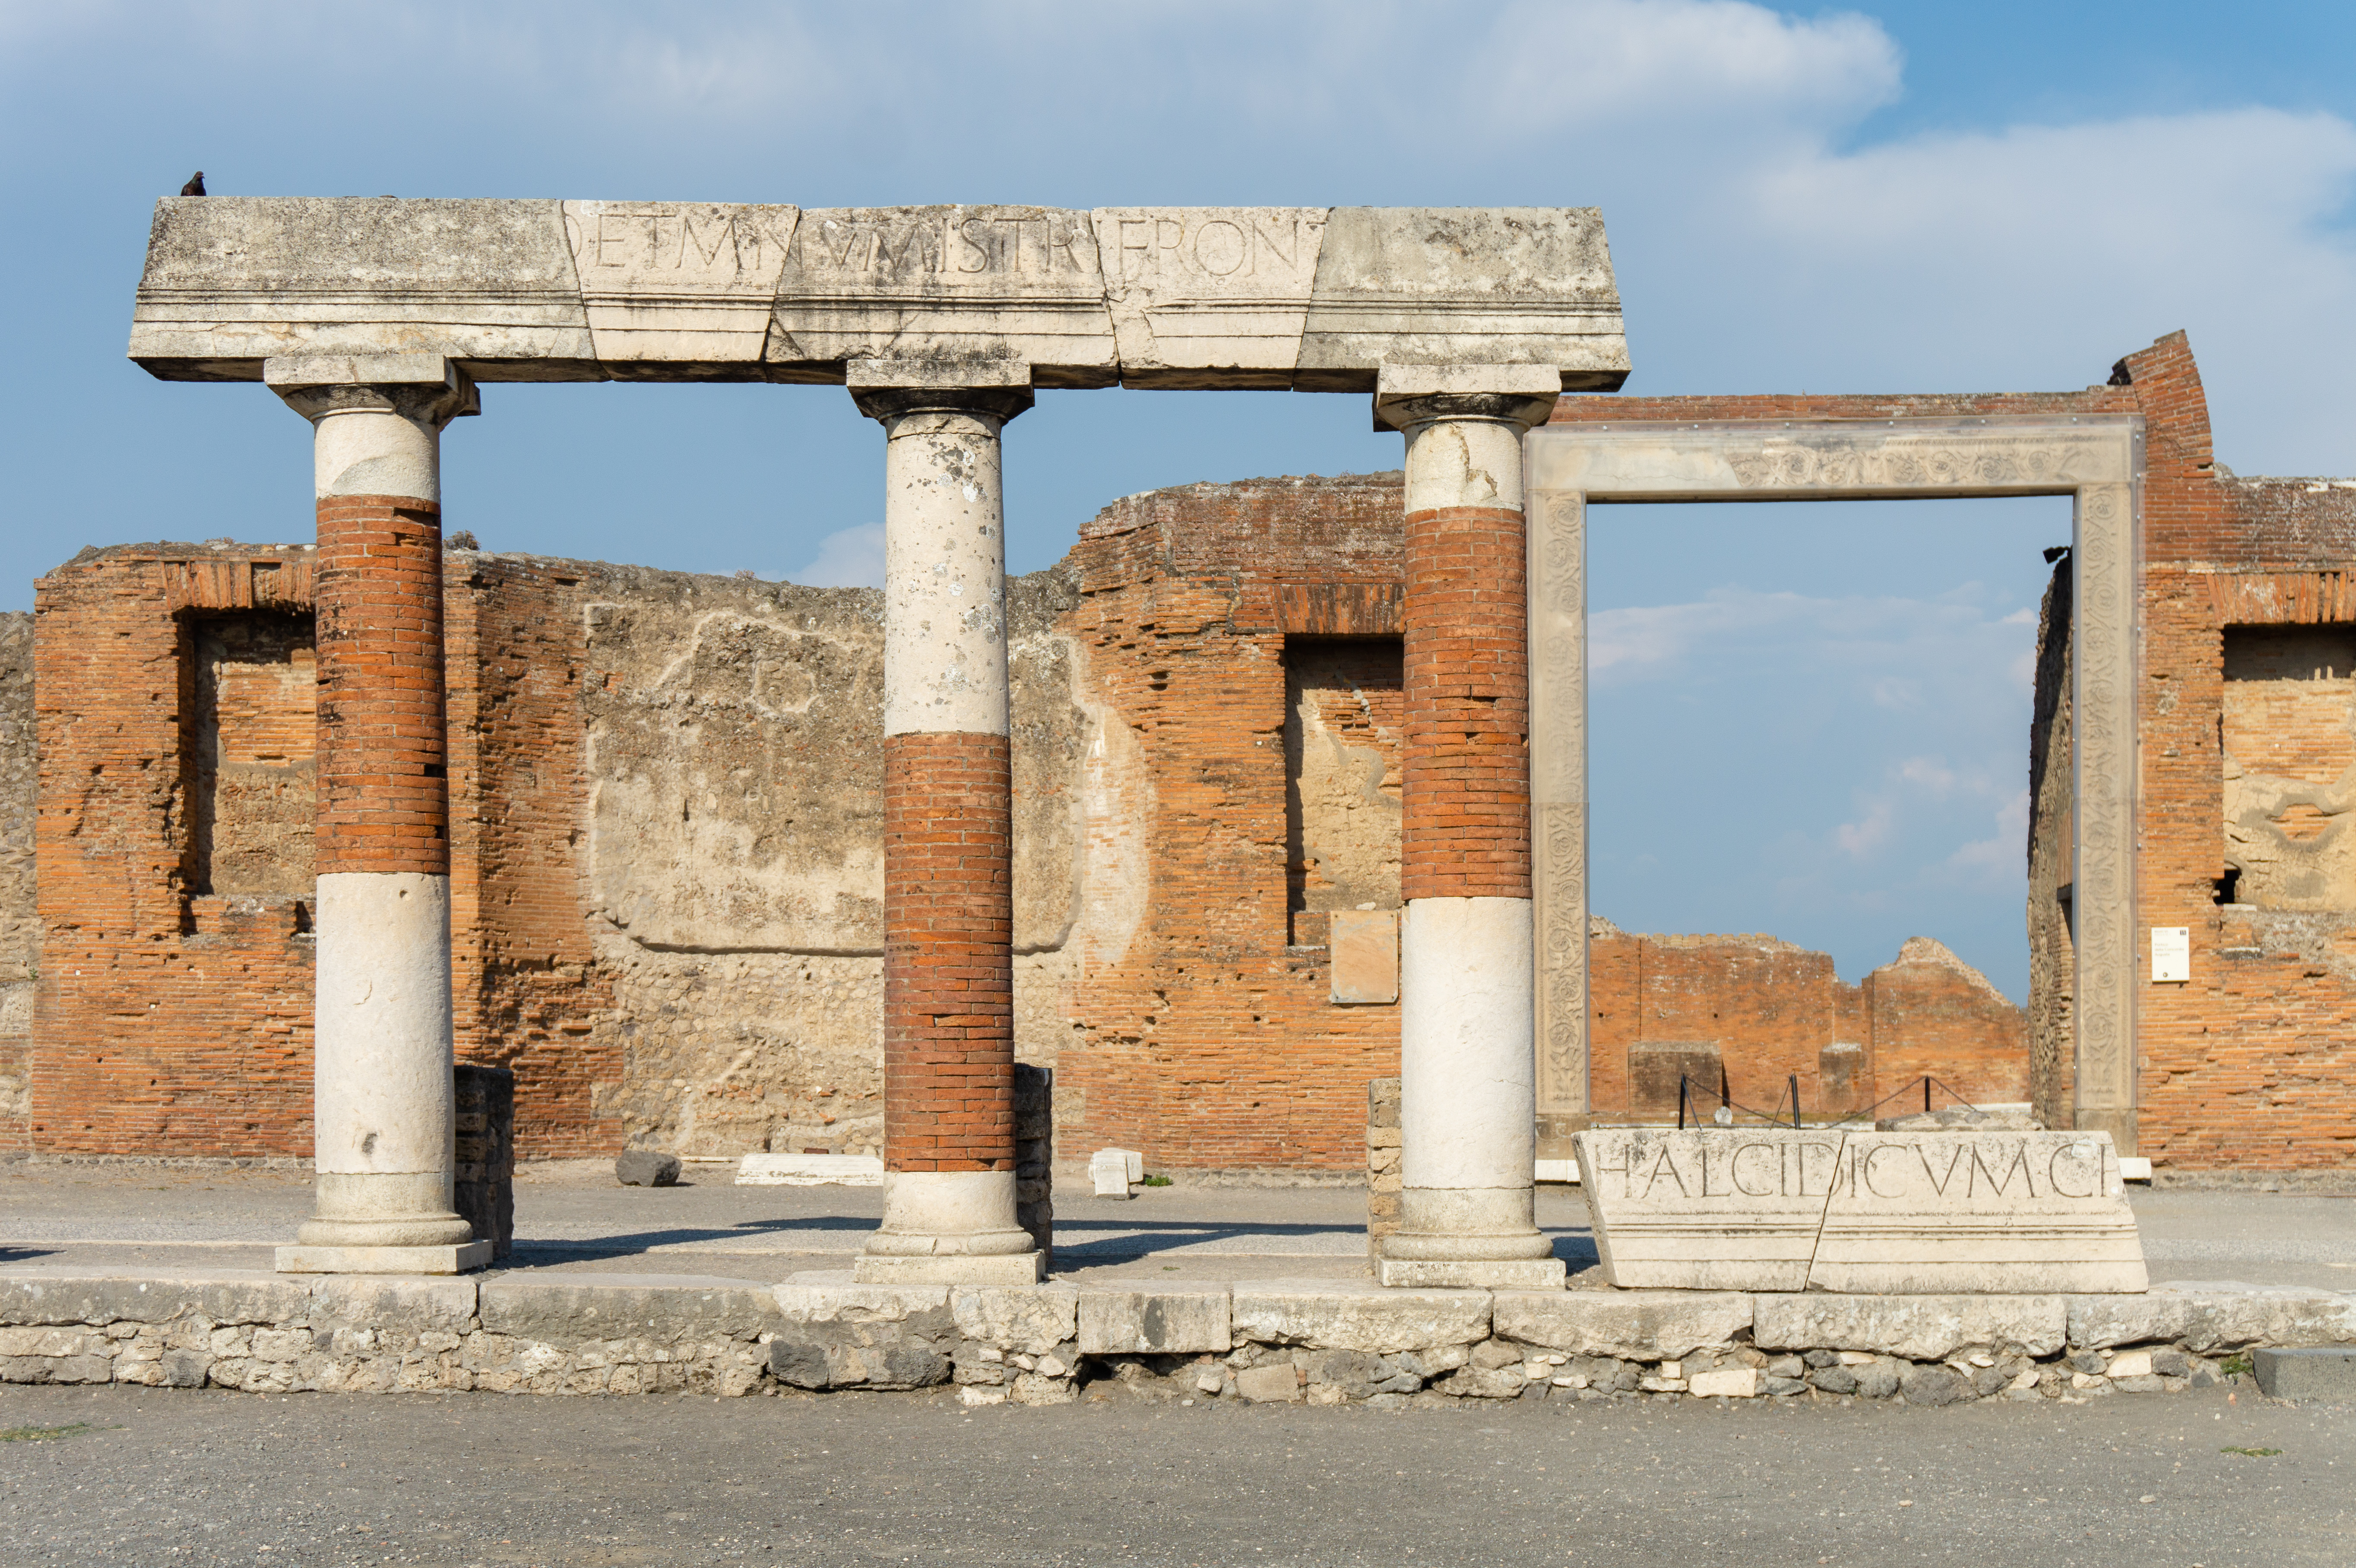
[195, 185]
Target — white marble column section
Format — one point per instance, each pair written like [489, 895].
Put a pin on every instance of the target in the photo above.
[383, 1110]
[1467, 1057]
[944, 690]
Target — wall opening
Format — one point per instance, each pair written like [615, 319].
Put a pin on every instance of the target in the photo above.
[2287, 732]
[248, 740]
[1344, 732]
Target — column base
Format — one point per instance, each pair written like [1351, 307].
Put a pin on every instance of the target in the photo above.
[951, 1268]
[460, 1258]
[1501, 1273]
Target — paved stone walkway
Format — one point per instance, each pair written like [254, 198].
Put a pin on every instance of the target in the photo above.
[573, 1215]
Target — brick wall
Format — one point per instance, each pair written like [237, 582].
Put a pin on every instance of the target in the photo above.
[1762, 1012]
[2247, 1068]
[166, 1019]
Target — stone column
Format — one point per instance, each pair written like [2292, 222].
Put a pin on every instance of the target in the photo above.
[1467, 1052]
[948, 886]
[384, 1110]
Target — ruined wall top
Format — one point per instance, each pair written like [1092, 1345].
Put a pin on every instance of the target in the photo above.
[1316, 299]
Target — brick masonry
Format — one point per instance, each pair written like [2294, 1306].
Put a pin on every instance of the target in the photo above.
[1467, 831]
[383, 756]
[949, 981]
[665, 845]
[2247, 1069]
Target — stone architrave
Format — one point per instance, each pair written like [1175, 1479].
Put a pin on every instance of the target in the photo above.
[1919, 1213]
[1860, 1213]
[671, 283]
[1204, 293]
[944, 285]
[1317, 299]
[1706, 1209]
[233, 281]
[2097, 459]
[1434, 285]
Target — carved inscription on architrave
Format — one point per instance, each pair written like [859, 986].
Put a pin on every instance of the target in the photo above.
[671, 281]
[1013, 284]
[1890, 1213]
[1194, 288]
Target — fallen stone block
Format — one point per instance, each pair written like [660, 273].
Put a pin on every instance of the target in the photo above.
[1919, 1328]
[647, 1168]
[1108, 1169]
[1349, 1316]
[1162, 1321]
[1725, 1382]
[1277, 1383]
[809, 1170]
[1635, 1326]
[2307, 1372]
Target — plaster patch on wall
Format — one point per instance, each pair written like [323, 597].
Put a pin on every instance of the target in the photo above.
[2288, 735]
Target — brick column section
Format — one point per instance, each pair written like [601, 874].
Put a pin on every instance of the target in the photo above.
[948, 967]
[949, 1212]
[1467, 1047]
[384, 1106]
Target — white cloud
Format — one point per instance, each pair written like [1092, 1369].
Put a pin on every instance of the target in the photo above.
[847, 558]
[2004, 854]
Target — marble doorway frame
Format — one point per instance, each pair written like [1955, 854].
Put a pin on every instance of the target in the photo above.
[2096, 459]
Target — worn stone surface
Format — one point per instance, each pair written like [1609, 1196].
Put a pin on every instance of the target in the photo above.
[231, 280]
[1014, 284]
[647, 1167]
[1922, 1329]
[1633, 1325]
[1354, 1316]
[1365, 949]
[1861, 1212]
[1209, 294]
[1462, 287]
[2212, 1317]
[677, 284]
[564, 1308]
[1211, 298]
[1978, 1210]
[1165, 1321]
[19, 927]
[2325, 1372]
[1706, 1209]
[1033, 1319]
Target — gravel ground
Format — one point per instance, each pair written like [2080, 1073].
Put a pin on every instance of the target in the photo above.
[153, 1477]
[573, 1215]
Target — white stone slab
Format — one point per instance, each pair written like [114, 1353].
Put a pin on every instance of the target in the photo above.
[1706, 1209]
[677, 282]
[1998, 1212]
[1408, 285]
[1345, 1315]
[461, 1258]
[1018, 283]
[809, 1170]
[1562, 1170]
[1204, 294]
[231, 280]
[1168, 1319]
[1920, 1327]
[1635, 1325]
[1109, 1168]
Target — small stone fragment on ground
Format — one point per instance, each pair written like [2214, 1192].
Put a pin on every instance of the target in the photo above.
[647, 1168]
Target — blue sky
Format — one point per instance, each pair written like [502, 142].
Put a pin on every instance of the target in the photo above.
[1810, 722]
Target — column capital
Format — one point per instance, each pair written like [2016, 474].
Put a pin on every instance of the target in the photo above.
[424, 389]
[887, 389]
[1518, 395]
